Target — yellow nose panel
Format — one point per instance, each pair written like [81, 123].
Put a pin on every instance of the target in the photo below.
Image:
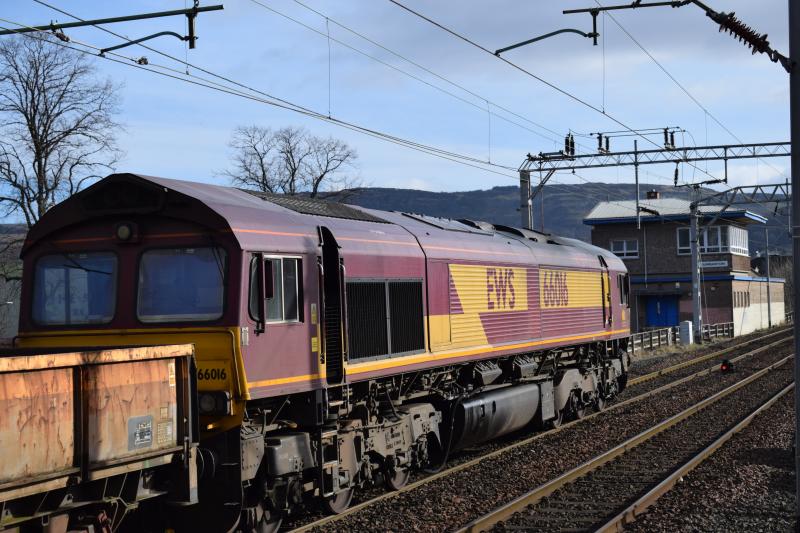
[564, 289]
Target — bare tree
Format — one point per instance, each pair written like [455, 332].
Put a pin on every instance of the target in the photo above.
[291, 161]
[253, 159]
[57, 128]
[328, 156]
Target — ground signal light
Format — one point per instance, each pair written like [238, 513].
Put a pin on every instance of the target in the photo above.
[726, 366]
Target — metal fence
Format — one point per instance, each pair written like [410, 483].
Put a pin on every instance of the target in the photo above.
[723, 329]
[655, 338]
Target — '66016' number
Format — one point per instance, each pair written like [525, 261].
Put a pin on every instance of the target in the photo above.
[211, 374]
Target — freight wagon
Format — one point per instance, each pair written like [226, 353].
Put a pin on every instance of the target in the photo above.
[87, 435]
[336, 346]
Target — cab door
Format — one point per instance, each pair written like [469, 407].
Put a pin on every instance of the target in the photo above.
[334, 311]
[605, 288]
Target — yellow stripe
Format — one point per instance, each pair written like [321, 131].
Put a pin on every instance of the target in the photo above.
[426, 357]
[282, 381]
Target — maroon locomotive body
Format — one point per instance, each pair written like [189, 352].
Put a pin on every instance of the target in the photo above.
[336, 346]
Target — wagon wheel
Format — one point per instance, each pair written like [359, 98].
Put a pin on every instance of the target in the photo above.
[397, 478]
[339, 502]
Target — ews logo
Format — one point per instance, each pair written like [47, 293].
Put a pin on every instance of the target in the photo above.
[500, 292]
[555, 291]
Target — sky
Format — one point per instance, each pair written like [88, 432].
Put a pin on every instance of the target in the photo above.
[180, 130]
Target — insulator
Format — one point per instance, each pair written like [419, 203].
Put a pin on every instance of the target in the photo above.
[666, 137]
[599, 142]
[566, 144]
[746, 34]
[608, 144]
[61, 36]
[676, 175]
[672, 139]
[571, 145]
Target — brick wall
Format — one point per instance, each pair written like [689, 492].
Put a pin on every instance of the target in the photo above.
[661, 251]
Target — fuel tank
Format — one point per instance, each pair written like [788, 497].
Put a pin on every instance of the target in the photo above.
[491, 414]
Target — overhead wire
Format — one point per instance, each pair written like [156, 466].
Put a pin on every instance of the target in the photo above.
[483, 99]
[320, 115]
[686, 91]
[271, 99]
[430, 71]
[530, 74]
[453, 156]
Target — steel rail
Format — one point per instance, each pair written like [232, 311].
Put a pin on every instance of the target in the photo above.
[534, 496]
[325, 521]
[629, 514]
[701, 359]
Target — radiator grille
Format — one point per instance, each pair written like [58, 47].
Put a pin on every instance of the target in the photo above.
[405, 305]
[377, 328]
[366, 319]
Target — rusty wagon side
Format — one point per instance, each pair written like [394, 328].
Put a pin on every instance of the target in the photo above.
[86, 434]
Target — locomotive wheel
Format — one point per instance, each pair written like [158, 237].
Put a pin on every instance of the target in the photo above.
[270, 523]
[260, 519]
[577, 409]
[557, 421]
[338, 503]
[397, 478]
[600, 404]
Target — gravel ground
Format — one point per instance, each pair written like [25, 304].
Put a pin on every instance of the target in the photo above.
[314, 513]
[459, 498]
[747, 485]
[600, 495]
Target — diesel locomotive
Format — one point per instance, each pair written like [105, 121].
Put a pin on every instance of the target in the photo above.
[335, 346]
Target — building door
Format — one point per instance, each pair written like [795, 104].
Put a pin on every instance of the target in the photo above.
[662, 311]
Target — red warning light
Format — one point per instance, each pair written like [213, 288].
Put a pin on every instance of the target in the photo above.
[726, 366]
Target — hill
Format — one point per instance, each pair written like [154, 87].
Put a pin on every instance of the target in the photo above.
[564, 207]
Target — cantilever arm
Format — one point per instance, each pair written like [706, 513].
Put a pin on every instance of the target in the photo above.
[137, 41]
[591, 35]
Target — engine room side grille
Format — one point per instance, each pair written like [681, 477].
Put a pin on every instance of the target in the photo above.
[384, 318]
[405, 312]
[366, 319]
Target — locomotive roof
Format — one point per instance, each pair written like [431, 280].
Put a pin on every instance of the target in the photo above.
[252, 217]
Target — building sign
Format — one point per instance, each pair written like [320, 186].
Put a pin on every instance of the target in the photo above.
[713, 264]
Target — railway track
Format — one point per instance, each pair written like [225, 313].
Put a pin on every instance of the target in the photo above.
[610, 490]
[493, 451]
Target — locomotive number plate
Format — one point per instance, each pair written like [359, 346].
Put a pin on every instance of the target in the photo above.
[213, 375]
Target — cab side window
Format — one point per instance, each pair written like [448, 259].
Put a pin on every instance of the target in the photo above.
[623, 282]
[285, 303]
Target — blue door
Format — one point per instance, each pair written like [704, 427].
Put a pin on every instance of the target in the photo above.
[662, 311]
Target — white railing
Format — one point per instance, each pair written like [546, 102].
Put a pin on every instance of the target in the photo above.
[655, 338]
